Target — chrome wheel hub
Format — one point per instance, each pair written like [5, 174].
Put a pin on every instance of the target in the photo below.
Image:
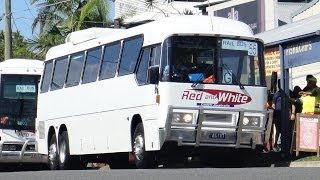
[138, 147]
[52, 152]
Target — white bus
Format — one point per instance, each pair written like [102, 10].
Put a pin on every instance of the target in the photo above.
[145, 90]
[19, 79]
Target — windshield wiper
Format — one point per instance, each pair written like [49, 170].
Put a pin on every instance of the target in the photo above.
[234, 77]
[197, 81]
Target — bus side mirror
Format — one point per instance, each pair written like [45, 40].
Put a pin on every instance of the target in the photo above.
[153, 72]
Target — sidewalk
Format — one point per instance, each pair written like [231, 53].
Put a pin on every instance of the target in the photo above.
[305, 164]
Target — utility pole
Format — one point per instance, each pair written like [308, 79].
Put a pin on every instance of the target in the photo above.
[7, 30]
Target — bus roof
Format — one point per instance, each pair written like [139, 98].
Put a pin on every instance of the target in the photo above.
[156, 31]
[21, 66]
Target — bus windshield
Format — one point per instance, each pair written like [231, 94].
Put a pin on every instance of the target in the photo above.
[224, 60]
[18, 101]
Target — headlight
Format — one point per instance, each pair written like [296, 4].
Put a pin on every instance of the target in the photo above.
[255, 121]
[245, 121]
[182, 117]
[187, 118]
[251, 121]
[176, 117]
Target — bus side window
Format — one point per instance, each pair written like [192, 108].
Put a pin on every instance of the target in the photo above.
[59, 74]
[165, 68]
[47, 74]
[110, 61]
[142, 71]
[130, 55]
[75, 69]
[155, 55]
[91, 67]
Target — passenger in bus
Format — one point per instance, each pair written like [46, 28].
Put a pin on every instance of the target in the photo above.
[209, 79]
[4, 120]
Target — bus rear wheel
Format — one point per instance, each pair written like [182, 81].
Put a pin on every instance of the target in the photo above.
[66, 161]
[143, 159]
[53, 153]
[64, 155]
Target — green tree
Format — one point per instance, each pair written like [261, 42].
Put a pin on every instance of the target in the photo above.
[19, 46]
[56, 19]
[153, 4]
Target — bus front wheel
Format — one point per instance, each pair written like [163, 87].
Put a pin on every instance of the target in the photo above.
[143, 159]
[53, 153]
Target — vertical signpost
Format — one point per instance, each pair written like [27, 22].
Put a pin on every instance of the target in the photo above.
[307, 133]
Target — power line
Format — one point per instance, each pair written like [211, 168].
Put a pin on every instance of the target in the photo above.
[14, 22]
[29, 8]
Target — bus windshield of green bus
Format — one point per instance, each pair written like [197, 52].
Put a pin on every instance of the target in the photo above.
[18, 101]
[204, 59]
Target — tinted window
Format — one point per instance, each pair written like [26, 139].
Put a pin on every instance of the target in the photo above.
[18, 101]
[143, 67]
[59, 74]
[110, 61]
[46, 76]
[155, 56]
[165, 70]
[130, 53]
[75, 69]
[91, 68]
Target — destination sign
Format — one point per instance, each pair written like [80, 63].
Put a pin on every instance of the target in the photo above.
[26, 88]
[240, 45]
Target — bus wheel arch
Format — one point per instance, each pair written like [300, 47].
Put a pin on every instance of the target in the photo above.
[62, 128]
[52, 149]
[136, 119]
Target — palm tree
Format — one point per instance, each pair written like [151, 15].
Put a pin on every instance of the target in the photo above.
[56, 19]
[153, 4]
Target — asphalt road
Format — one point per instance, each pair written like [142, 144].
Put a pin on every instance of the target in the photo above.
[264, 166]
[171, 174]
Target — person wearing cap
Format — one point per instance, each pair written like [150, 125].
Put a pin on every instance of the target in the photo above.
[312, 90]
[307, 88]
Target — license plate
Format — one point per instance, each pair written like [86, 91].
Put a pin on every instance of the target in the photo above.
[217, 135]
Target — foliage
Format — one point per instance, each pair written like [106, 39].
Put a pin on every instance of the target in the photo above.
[56, 19]
[187, 12]
[19, 46]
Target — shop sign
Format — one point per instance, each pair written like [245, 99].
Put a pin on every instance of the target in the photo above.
[272, 60]
[302, 52]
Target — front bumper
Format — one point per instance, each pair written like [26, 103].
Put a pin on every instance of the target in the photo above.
[21, 152]
[218, 135]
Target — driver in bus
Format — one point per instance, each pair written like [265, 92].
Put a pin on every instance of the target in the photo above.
[209, 79]
[4, 120]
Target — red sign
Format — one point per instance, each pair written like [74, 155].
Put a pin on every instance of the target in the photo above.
[219, 97]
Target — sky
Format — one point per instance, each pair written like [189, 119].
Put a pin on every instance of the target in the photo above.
[23, 14]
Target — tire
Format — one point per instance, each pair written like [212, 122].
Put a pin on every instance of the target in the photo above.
[53, 153]
[64, 153]
[143, 159]
[66, 161]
